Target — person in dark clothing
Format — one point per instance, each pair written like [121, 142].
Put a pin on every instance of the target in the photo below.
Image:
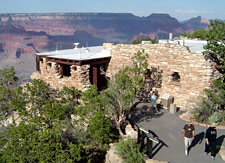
[188, 132]
[210, 141]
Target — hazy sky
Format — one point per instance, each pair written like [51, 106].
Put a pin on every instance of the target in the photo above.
[180, 9]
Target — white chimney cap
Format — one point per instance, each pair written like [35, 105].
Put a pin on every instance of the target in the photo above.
[76, 45]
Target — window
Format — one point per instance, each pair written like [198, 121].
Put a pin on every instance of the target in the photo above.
[49, 64]
[176, 77]
[65, 70]
[74, 68]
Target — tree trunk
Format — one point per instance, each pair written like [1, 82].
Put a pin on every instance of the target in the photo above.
[123, 119]
[121, 124]
[219, 68]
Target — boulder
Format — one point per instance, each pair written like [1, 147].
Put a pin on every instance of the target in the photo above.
[36, 75]
[111, 156]
[130, 132]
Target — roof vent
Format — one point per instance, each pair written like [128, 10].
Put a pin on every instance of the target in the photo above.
[76, 45]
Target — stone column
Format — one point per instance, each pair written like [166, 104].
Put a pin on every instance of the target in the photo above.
[81, 76]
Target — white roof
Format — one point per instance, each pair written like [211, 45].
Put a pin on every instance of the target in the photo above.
[195, 46]
[79, 53]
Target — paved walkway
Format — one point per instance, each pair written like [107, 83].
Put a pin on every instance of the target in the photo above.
[167, 127]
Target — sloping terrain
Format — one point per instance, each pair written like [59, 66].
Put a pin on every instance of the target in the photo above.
[22, 35]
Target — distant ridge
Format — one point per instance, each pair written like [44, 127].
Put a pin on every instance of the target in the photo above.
[28, 33]
[196, 23]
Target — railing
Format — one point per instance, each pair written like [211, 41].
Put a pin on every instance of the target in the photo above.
[146, 139]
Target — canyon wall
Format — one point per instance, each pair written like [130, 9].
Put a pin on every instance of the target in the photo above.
[22, 35]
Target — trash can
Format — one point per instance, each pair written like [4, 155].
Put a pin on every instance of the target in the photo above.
[166, 100]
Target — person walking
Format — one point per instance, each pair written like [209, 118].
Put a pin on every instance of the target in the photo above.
[210, 141]
[188, 132]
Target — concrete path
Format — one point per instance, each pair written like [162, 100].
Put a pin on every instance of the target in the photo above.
[167, 127]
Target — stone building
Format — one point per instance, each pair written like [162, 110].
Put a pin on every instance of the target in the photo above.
[78, 67]
[184, 71]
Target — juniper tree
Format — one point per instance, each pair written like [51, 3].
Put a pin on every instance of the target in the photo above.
[8, 91]
[215, 52]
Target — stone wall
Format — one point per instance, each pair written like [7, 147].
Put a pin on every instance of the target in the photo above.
[195, 72]
[50, 73]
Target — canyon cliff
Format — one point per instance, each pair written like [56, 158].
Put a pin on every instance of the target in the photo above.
[22, 35]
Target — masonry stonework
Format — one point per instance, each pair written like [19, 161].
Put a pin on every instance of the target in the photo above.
[195, 72]
[50, 73]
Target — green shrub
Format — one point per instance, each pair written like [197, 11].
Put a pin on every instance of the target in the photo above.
[215, 118]
[129, 151]
[223, 116]
[198, 118]
[203, 109]
[139, 41]
[101, 129]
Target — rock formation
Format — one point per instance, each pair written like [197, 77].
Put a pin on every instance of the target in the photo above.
[25, 34]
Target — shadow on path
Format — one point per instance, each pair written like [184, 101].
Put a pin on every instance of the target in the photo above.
[197, 140]
[146, 139]
[219, 142]
[167, 128]
[143, 112]
[157, 146]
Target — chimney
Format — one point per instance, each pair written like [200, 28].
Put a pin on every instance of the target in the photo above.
[76, 45]
[170, 36]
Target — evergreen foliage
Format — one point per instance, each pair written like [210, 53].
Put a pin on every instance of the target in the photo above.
[139, 69]
[215, 52]
[215, 118]
[102, 130]
[45, 131]
[129, 151]
[121, 95]
[91, 102]
[200, 34]
[203, 109]
[8, 92]
[124, 87]
[33, 143]
[215, 48]
[138, 41]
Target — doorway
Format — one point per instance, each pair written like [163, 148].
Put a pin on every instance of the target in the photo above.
[97, 77]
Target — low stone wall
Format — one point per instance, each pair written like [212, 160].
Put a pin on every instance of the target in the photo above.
[50, 73]
[195, 72]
